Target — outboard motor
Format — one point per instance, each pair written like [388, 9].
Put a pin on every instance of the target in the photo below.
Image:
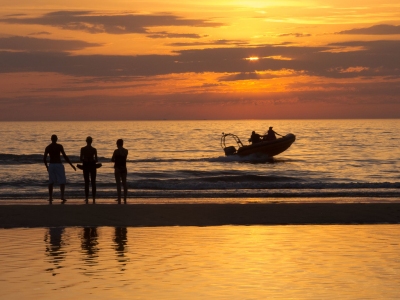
[230, 150]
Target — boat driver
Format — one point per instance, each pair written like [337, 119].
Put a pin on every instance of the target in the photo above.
[270, 136]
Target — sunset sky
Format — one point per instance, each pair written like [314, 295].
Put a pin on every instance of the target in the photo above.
[136, 60]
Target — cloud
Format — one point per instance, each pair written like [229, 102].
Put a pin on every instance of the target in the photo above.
[295, 34]
[16, 15]
[210, 43]
[374, 30]
[40, 33]
[166, 35]
[245, 76]
[373, 58]
[91, 22]
[18, 43]
[352, 100]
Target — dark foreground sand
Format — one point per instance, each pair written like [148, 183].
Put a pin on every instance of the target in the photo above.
[197, 214]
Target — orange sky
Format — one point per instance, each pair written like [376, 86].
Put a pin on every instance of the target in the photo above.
[206, 60]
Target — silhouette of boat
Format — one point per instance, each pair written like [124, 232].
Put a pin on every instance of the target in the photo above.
[270, 148]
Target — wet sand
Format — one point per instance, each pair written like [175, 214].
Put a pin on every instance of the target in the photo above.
[197, 214]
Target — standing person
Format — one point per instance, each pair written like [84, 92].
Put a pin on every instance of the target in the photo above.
[119, 158]
[56, 169]
[89, 159]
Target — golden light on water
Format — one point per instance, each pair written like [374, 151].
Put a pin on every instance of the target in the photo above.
[277, 262]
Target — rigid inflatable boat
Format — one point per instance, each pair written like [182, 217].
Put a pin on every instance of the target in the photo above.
[270, 148]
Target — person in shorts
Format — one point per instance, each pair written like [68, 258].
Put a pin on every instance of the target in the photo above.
[56, 169]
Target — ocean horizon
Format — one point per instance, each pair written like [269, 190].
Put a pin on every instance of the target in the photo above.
[334, 161]
[184, 159]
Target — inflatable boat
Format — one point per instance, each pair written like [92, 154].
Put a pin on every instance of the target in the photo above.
[270, 148]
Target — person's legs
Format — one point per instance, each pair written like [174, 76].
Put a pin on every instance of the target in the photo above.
[123, 178]
[52, 179]
[93, 181]
[118, 181]
[86, 178]
[62, 190]
[50, 193]
[59, 171]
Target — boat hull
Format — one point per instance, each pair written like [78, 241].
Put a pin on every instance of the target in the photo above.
[270, 148]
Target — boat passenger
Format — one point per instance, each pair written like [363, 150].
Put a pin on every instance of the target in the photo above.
[255, 138]
[270, 136]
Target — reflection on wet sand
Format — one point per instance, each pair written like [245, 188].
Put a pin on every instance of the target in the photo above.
[54, 248]
[89, 244]
[219, 262]
[90, 247]
[120, 244]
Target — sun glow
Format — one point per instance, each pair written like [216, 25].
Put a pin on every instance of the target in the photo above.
[196, 53]
[252, 58]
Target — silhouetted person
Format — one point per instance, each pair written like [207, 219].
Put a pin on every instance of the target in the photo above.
[54, 247]
[255, 138]
[90, 246]
[119, 158]
[89, 159]
[120, 243]
[270, 136]
[56, 169]
[120, 239]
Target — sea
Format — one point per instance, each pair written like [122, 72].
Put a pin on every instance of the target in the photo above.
[183, 161]
[335, 161]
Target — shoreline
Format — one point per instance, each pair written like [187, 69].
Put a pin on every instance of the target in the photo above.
[207, 200]
[203, 214]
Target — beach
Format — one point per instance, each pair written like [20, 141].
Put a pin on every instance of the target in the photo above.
[151, 215]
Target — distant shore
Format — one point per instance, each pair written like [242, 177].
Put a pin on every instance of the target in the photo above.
[148, 215]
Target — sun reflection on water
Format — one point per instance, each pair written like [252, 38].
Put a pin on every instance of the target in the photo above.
[239, 262]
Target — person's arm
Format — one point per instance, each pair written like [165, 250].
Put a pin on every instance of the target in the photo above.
[46, 152]
[66, 158]
[113, 157]
[95, 155]
[81, 156]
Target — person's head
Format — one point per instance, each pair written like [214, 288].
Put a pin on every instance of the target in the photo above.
[270, 128]
[89, 140]
[54, 138]
[120, 142]
[253, 132]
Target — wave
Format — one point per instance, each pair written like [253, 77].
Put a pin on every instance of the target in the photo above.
[245, 194]
[26, 159]
[176, 184]
[210, 184]
[15, 159]
[12, 159]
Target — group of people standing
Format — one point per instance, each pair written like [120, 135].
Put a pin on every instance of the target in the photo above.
[88, 157]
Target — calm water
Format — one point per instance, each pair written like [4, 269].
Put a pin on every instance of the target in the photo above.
[183, 159]
[331, 160]
[228, 262]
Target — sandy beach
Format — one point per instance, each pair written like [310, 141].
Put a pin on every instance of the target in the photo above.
[12, 216]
